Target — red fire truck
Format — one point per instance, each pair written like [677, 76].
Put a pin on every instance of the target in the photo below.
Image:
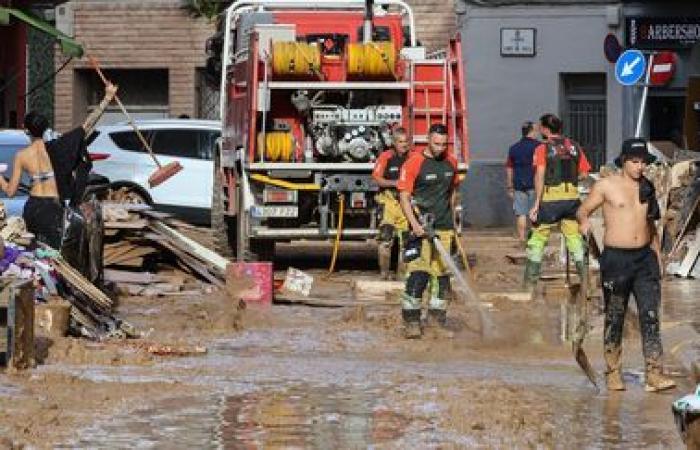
[310, 92]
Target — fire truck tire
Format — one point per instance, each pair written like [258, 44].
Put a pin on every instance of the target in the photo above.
[223, 226]
[262, 249]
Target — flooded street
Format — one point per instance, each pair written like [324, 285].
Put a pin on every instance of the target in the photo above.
[319, 377]
[336, 388]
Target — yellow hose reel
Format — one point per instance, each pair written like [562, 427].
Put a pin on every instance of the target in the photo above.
[295, 59]
[279, 146]
[371, 59]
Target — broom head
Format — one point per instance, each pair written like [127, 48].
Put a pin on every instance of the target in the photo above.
[163, 173]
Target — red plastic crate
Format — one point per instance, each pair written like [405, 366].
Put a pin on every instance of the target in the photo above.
[260, 274]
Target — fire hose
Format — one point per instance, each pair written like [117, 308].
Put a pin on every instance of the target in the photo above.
[339, 232]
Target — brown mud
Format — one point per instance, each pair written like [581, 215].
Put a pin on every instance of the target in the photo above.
[290, 376]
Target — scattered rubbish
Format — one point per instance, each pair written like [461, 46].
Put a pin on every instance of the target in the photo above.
[297, 282]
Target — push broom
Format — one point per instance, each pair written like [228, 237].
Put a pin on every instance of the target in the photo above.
[163, 172]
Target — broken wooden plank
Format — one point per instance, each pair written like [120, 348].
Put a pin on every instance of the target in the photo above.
[517, 296]
[193, 264]
[138, 224]
[188, 245]
[376, 287]
[78, 281]
[123, 276]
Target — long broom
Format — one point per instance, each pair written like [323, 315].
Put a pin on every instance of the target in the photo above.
[163, 172]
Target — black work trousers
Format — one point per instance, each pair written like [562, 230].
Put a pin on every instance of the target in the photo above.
[636, 271]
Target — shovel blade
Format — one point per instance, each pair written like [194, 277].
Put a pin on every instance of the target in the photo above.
[584, 364]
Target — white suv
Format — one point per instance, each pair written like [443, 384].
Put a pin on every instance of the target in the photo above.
[118, 154]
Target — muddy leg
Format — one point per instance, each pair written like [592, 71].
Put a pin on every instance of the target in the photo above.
[386, 239]
[616, 293]
[411, 303]
[647, 293]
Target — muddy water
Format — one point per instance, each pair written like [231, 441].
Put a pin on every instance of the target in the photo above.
[330, 386]
[301, 377]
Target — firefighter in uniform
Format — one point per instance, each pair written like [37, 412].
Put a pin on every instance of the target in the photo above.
[393, 223]
[427, 186]
[559, 163]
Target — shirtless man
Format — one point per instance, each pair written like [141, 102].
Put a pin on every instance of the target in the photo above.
[631, 261]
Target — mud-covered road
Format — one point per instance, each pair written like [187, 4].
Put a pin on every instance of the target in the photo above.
[288, 376]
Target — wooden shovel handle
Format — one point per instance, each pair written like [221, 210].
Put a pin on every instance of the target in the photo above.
[96, 66]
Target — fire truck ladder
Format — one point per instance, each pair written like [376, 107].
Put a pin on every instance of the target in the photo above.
[429, 80]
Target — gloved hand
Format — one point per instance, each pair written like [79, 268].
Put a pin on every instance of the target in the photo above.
[412, 248]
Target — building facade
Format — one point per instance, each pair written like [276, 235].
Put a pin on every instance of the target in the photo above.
[152, 49]
[525, 58]
[27, 45]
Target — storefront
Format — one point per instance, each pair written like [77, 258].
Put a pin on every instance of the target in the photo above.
[672, 114]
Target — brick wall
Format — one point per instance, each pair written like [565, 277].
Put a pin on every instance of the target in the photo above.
[156, 34]
[135, 34]
[435, 21]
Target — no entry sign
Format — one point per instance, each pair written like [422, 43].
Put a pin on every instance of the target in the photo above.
[662, 69]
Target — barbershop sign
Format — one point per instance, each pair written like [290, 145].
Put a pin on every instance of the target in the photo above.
[660, 32]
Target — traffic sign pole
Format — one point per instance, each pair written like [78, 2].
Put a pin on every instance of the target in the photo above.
[645, 92]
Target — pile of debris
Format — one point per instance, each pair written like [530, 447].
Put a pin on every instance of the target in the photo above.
[51, 276]
[137, 239]
[678, 193]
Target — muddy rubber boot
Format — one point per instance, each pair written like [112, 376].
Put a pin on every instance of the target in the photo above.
[532, 275]
[437, 320]
[613, 371]
[385, 261]
[411, 320]
[655, 380]
[437, 317]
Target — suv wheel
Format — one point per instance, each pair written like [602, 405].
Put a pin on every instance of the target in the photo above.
[128, 194]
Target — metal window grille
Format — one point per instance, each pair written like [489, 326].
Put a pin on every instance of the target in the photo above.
[585, 122]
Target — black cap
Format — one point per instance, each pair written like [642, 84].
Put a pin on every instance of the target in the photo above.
[437, 128]
[635, 148]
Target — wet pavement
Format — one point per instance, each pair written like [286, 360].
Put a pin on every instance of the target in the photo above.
[320, 378]
[297, 386]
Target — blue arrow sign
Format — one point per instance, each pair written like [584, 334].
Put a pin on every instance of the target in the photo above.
[630, 67]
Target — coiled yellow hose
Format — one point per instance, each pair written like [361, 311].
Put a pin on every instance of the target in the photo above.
[278, 146]
[295, 59]
[371, 59]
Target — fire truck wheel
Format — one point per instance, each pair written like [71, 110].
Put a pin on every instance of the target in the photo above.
[223, 227]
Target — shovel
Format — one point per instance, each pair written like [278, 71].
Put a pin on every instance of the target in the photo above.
[582, 324]
[163, 172]
[464, 287]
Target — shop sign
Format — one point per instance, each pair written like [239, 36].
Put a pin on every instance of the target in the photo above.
[659, 32]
